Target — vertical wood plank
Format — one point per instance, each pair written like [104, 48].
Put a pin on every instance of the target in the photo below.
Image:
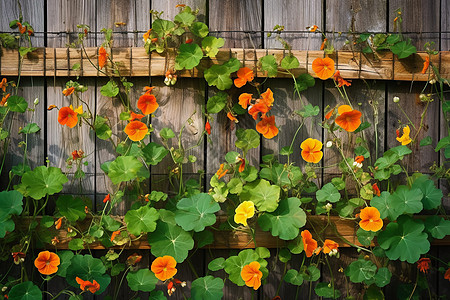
[445, 26]
[142, 21]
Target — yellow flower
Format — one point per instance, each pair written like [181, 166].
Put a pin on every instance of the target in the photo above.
[405, 139]
[78, 110]
[244, 211]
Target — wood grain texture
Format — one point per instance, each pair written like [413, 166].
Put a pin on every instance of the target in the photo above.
[294, 16]
[445, 25]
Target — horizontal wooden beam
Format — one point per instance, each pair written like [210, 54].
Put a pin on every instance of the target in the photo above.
[134, 61]
[242, 239]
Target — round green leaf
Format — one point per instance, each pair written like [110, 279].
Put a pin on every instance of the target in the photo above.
[65, 259]
[216, 264]
[404, 240]
[247, 139]
[154, 153]
[328, 193]
[30, 128]
[403, 49]
[407, 200]
[290, 62]
[188, 57]
[87, 268]
[432, 196]
[383, 277]
[293, 277]
[76, 244]
[169, 239]
[207, 288]
[361, 270]
[365, 237]
[324, 289]
[286, 220]
[184, 18]
[234, 265]
[6, 225]
[141, 220]
[200, 29]
[25, 291]
[110, 89]
[157, 295]
[196, 212]
[264, 195]
[70, 207]
[211, 45]
[162, 27]
[124, 168]
[17, 104]
[219, 76]
[217, 103]
[269, 64]
[142, 280]
[42, 181]
[102, 129]
[10, 204]
[437, 226]
[311, 273]
[385, 206]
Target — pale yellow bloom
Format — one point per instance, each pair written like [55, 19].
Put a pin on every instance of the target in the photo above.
[244, 211]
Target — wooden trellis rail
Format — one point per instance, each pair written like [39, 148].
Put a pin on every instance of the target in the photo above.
[134, 61]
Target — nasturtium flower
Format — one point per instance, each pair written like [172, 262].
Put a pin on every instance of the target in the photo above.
[426, 64]
[244, 211]
[376, 190]
[405, 139]
[232, 117]
[312, 150]
[135, 116]
[309, 244]
[68, 116]
[58, 223]
[220, 173]
[146, 35]
[107, 198]
[85, 285]
[136, 130]
[323, 67]
[245, 99]
[329, 246]
[114, 234]
[147, 103]
[267, 98]
[4, 99]
[267, 127]
[447, 274]
[259, 107]
[3, 84]
[18, 257]
[244, 75]
[323, 44]
[22, 29]
[241, 165]
[329, 114]
[423, 264]
[312, 28]
[208, 127]
[134, 259]
[47, 262]
[164, 267]
[102, 57]
[340, 81]
[370, 219]
[252, 275]
[68, 91]
[349, 119]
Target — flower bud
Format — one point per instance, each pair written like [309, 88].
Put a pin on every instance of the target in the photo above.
[396, 99]
[329, 144]
[36, 101]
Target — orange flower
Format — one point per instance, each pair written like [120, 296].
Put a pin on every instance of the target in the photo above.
[370, 219]
[267, 98]
[75, 155]
[149, 89]
[359, 159]
[329, 114]
[47, 262]
[102, 57]
[67, 116]
[242, 165]
[447, 274]
[180, 5]
[349, 119]
[114, 234]
[341, 81]
[309, 244]
[252, 275]
[244, 100]
[55, 241]
[4, 99]
[18, 257]
[134, 116]
[3, 84]
[312, 150]
[134, 259]
[50, 107]
[244, 75]
[424, 264]
[147, 103]
[232, 117]
[260, 107]
[323, 44]
[324, 68]
[107, 198]
[189, 41]
[68, 91]
[329, 246]
[313, 28]
[426, 64]
[164, 267]
[208, 127]
[376, 190]
[136, 130]
[267, 127]
[220, 173]
[58, 223]
[154, 40]
[22, 28]
[147, 34]
[85, 285]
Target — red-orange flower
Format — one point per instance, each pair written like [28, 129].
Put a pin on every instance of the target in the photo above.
[376, 189]
[149, 89]
[135, 116]
[22, 29]
[189, 41]
[102, 57]
[58, 223]
[208, 127]
[134, 259]
[423, 264]
[232, 117]
[267, 127]
[242, 165]
[164, 267]
[309, 244]
[323, 44]
[329, 246]
[260, 107]
[114, 234]
[244, 75]
[220, 173]
[4, 99]
[447, 274]
[252, 275]
[244, 100]
[267, 98]
[370, 219]
[75, 155]
[312, 150]
[67, 116]
[50, 107]
[341, 81]
[3, 84]
[47, 262]
[147, 103]
[313, 28]
[426, 64]
[330, 113]
[359, 159]
[349, 119]
[68, 91]
[324, 68]
[107, 198]
[85, 285]
[136, 130]
[147, 35]
[18, 257]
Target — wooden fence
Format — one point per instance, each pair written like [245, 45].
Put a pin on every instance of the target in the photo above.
[243, 25]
